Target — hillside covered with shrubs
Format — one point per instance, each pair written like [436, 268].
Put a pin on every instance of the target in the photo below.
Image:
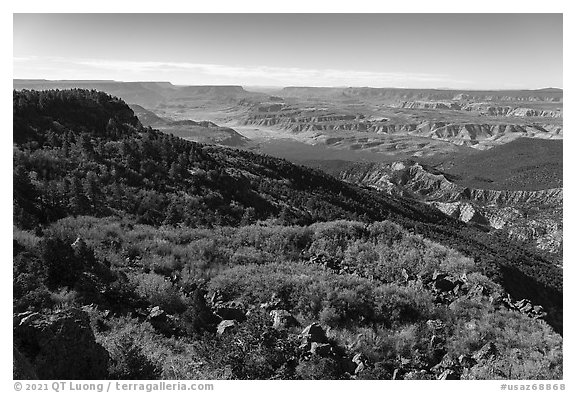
[171, 259]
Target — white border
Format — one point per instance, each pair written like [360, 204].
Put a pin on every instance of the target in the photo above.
[258, 6]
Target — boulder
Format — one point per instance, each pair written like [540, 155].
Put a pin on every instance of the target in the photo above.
[449, 375]
[231, 311]
[520, 304]
[360, 361]
[466, 361]
[435, 324]
[157, 314]
[161, 321]
[314, 333]
[283, 319]
[321, 349]
[225, 326]
[488, 351]
[61, 345]
[538, 312]
[405, 275]
[444, 283]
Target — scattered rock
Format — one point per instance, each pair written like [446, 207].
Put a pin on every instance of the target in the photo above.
[26, 318]
[360, 361]
[446, 362]
[225, 326]
[157, 314]
[496, 299]
[216, 298]
[435, 324]
[435, 341]
[524, 306]
[477, 292]
[272, 304]
[283, 319]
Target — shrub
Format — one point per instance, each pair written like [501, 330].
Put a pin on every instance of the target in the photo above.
[129, 362]
[159, 292]
[397, 305]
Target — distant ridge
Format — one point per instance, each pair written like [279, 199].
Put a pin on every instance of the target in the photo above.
[147, 94]
[395, 94]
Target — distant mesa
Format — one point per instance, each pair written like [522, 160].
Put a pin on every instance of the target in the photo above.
[147, 94]
[545, 95]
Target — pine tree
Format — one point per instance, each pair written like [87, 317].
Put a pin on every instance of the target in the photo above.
[78, 202]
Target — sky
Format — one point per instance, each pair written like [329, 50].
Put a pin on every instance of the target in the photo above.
[459, 51]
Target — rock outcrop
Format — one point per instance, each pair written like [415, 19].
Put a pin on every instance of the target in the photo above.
[58, 346]
[489, 109]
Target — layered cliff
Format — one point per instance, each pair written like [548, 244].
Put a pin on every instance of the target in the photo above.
[533, 216]
[480, 135]
[393, 94]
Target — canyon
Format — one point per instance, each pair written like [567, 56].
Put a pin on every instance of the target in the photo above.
[403, 142]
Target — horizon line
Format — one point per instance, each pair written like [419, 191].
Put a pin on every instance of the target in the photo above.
[286, 86]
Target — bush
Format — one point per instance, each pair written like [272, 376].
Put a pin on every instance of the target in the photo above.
[128, 362]
[397, 305]
[159, 292]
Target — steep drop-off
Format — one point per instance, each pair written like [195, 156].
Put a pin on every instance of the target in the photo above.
[533, 216]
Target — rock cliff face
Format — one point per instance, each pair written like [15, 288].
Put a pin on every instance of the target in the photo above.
[58, 346]
[477, 135]
[542, 95]
[489, 109]
[482, 108]
[413, 178]
[530, 216]
[430, 105]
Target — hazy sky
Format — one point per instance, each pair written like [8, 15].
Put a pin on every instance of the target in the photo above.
[479, 51]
